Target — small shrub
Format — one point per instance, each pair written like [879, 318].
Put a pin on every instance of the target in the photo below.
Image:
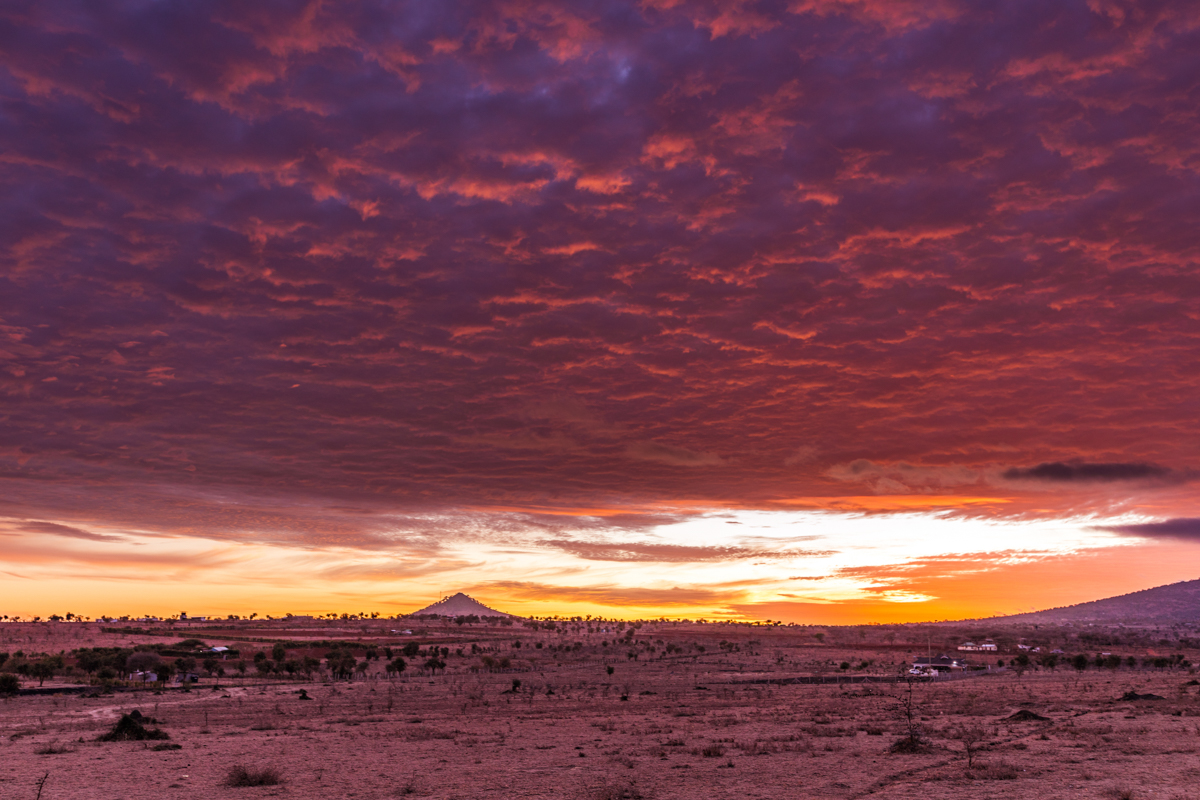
[10, 684]
[158, 748]
[241, 775]
[423, 734]
[1000, 771]
[618, 791]
[408, 787]
[713, 751]
[53, 748]
[909, 745]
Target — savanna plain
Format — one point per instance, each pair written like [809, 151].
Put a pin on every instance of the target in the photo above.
[595, 709]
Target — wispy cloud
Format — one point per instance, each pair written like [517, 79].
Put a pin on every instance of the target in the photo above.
[674, 597]
[652, 552]
[55, 529]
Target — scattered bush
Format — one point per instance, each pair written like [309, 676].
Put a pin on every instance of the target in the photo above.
[10, 684]
[241, 775]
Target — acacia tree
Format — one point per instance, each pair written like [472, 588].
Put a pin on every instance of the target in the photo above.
[1020, 664]
[341, 664]
[41, 670]
[88, 660]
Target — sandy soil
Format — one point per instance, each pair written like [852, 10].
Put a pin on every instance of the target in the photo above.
[693, 726]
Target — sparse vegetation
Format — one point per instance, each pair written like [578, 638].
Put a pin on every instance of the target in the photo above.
[694, 721]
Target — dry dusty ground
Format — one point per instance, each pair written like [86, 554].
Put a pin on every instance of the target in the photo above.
[460, 735]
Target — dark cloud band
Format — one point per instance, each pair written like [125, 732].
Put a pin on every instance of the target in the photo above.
[1060, 472]
[1186, 528]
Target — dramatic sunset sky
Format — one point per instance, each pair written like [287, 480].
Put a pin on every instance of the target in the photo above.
[825, 311]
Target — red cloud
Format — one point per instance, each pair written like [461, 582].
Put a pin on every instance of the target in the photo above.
[358, 257]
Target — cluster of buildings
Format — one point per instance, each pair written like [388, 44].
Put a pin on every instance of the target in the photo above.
[932, 665]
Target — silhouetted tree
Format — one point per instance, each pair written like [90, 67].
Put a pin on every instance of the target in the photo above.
[88, 660]
[41, 670]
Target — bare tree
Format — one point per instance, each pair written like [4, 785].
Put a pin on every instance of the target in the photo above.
[972, 738]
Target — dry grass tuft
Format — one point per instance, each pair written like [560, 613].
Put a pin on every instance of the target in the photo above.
[618, 791]
[241, 775]
[999, 771]
[421, 733]
[909, 745]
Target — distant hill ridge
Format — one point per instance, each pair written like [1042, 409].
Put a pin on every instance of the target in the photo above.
[460, 605]
[1175, 602]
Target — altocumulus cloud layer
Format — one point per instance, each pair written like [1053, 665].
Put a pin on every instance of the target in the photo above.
[402, 258]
